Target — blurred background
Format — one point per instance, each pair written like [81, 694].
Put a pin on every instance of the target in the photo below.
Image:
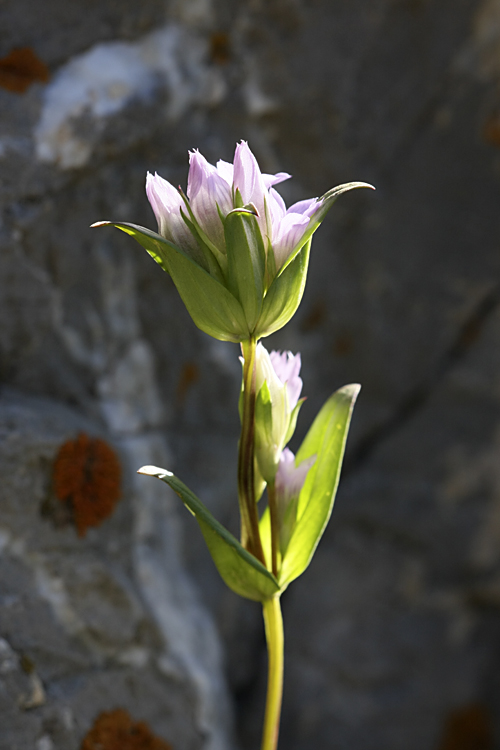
[110, 608]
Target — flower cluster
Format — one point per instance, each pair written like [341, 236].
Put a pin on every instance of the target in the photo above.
[235, 252]
[213, 192]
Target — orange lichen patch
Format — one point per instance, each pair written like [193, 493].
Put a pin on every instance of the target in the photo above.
[115, 730]
[87, 476]
[468, 728]
[189, 375]
[20, 68]
[491, 130]
[220, 48]
[315, 317]
[342, 346]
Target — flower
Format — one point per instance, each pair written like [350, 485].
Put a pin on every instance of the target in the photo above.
[288, 484]
[212, 194]
[278, 388]
[236, 254]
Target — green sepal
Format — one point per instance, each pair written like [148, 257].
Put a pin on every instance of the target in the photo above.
[151, 241]
[264, 433]
[200, 236]
[208, 260]
[293, 420]
[326, 440]
[284, 295]
[240, 570]
[246, 261]
[327, 201]
[212, 307]
[265, 535]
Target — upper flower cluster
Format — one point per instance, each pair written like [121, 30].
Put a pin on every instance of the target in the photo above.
[213, 192]
[236, 254]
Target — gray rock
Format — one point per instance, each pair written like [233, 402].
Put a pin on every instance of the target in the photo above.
[394, 625]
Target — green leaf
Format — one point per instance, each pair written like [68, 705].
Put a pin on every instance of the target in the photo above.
[326, 440]
[265, 534]
[264, 443]
[212, 307]
[151, 241]
[327, 201]
[284, 295]
[246, 261]
[241, 571]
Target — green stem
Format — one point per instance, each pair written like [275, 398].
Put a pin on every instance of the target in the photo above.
[273, 513]
[274, 636]
[250, 534]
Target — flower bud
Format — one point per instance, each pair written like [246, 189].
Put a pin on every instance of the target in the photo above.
[278, 388]
[288, 484]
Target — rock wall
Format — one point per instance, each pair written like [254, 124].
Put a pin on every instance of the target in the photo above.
[392, 635]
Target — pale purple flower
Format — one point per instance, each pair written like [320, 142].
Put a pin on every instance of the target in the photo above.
[166, 203]
[280, 372]
[208, 192]
[288, 485]
[211, 192]
[287, 367]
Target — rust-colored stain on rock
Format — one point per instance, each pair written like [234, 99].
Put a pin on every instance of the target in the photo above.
[491, 130]
[116, 730]
[468, 728]
[220, 48]
[190, 373]
[20, 68]
[87, 476]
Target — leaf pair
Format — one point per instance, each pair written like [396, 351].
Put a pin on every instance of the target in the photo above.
[241, 571]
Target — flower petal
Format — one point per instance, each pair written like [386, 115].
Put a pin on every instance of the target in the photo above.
[287, 235]
[226, 170]
[206, 190]
[274, 179]
[287, 367]
[166, 203]
[290, 478]
[277, 208]
[306, 207]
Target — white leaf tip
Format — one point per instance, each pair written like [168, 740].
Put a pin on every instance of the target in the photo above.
[154, 471]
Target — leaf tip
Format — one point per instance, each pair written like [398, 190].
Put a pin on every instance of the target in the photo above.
[351, 391]
[154, 471]
[100, 224]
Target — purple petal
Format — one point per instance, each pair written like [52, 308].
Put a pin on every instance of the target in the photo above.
[290, 478]
[274, 179]
[306, 207]
[277, 208]
[287, 367]
[206, 190]
[166, 203]
[287, 235]
[226, 171]
[247, 175]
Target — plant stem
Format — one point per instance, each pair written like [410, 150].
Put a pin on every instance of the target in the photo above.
[250, 535]
[273, 513]
[274, 636]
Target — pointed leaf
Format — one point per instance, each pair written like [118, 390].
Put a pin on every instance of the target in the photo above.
[246, 260]
[326, 440]
[284, 295]
[151, 241]
[212, 307]
[327, 201]
[241, 571]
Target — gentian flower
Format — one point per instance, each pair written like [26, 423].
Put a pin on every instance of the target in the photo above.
[236, 254]
[288, 484]
[278, 388]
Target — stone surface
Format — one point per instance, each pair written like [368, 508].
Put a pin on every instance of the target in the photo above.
[395, 626]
